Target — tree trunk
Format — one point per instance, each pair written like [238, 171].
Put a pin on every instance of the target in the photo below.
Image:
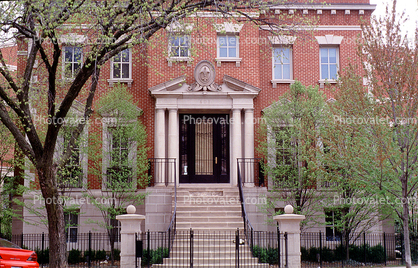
[405, 220]
[55, 214]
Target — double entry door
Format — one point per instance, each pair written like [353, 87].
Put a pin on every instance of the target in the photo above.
[204, 148]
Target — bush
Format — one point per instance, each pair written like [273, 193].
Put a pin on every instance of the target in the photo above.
[43, 256]
[116, 254]
[74, 256]
[377, 254]
[154, 256]
[101, 255]
[264, 255]
[87, 256]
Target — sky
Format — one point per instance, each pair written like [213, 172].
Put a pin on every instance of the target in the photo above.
[411, 10]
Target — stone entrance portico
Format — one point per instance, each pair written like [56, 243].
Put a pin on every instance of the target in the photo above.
[233, 97]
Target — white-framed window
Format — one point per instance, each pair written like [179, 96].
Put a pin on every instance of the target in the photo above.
[71, 176]
[119, 156]
[331, 219]
[282, 63]
[122, 65]
[71, 226]
[329, 59]
[228, 46]
[73, 58]
[179, 46]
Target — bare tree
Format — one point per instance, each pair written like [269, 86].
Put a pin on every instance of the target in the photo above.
[104, 28]
[375, 128]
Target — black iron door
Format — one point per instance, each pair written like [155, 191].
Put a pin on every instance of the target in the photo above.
[204, 148]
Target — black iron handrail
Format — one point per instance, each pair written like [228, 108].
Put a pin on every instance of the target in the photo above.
[247, 223]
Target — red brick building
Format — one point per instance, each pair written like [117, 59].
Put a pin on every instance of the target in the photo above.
[222, 72]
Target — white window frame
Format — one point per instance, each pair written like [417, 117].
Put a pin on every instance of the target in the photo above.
[172, 58]
[228, 30]
[282, 80]
[332, 226]
[128, 80]
[108, 124]
[83, 143]
[328, 41]
[329, 80]
[220, 59]
[69, 228]
[72, 62]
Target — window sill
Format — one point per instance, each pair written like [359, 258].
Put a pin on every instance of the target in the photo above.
[322, 82]
[236, 60]
[281, 81]
[124, 80]
[179, 59]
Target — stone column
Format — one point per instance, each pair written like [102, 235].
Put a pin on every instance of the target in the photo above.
[236, 143]
[290, 223]
[173, 144]
[159, 146]
[130, 225]
[249, 147]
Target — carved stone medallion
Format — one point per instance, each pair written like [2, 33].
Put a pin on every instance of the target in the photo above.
[204, 74]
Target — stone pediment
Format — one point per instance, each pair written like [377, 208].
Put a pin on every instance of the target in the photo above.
[204, 84]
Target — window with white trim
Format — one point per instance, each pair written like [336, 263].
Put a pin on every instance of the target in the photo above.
[119, 170]
[179, 46]
[73, 57]
[228, 46]
[71, 175]
[282, 63]
[331, 220]
[71, 225]
[329, 63]
[122, 65]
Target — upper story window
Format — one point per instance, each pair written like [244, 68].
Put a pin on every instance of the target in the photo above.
[329, 63]
[73, 57]
[180, 46]
[328, 58]
[121, 65]
[282, 63]
[282, 59]
[228, 46]
[228, 43]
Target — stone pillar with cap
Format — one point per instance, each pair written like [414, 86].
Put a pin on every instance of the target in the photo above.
[290, 223]
[130, 225]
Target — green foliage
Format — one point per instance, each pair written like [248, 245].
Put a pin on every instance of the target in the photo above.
[154, 256]
[100, 255]
[266, 255]
[375, 254]
[289, 134]
[74, 256]
[116, 254]
[43, 255]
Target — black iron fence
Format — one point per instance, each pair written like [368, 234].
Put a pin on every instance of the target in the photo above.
[161, 171]
[251, 171]
[83, 250]
[213, 249]
[359, 249]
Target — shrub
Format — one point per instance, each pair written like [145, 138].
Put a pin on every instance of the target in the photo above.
[101, 255]
[116, 254]
[154, 256]
[43, 256]
[87, 256]
[74, 256]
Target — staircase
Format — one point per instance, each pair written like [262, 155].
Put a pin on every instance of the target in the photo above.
[213, 212]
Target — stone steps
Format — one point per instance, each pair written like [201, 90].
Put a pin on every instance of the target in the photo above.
[214, 215]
